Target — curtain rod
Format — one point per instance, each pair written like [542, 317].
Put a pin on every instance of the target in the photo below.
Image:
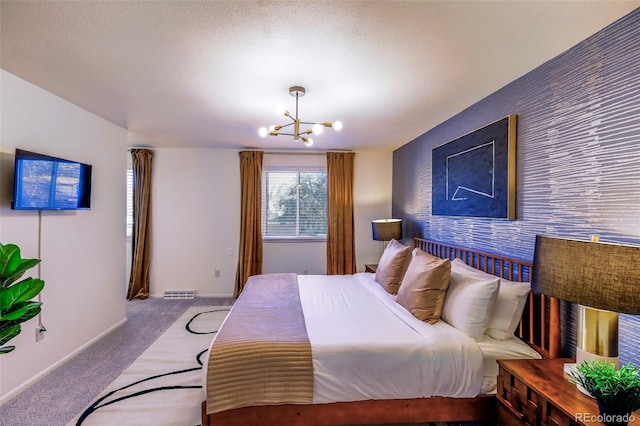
[294, 153]
[316, 152]
[269, 152]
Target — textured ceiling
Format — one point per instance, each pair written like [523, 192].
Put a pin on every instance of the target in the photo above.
[210, 73]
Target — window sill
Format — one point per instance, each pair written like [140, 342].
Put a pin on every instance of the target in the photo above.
[294, 239]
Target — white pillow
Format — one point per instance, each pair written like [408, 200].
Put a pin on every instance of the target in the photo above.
[507, 310]
[468, 303]
[509, 305]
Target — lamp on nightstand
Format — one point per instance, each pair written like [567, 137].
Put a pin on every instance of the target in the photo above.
[602, 278]
[386, 230]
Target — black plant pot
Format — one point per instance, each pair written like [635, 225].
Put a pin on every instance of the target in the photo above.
[610, 418]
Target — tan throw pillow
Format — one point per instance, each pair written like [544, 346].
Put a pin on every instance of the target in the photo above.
[424, 286]
[392, 266]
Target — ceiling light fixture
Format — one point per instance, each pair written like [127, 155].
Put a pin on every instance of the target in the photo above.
[316, 127]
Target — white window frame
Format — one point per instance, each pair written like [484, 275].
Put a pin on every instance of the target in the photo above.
[129, 218]
[288, 239]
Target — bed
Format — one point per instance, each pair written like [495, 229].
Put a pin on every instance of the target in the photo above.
[342, 389]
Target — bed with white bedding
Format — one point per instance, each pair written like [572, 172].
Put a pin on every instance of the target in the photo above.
[366, 346]
[493, 350]
[374, 362]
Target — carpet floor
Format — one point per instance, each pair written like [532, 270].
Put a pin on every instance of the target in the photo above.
[66, 391]
[164, 385]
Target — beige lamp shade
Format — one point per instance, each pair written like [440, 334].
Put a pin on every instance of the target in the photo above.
[386, 229]
[598, 275]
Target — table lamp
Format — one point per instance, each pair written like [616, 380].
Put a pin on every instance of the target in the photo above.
[602, 278]
[386, 230]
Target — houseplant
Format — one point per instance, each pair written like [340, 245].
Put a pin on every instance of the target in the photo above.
[15, 297]
[616, 390]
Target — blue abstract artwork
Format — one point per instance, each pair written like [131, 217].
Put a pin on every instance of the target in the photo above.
[474, 175]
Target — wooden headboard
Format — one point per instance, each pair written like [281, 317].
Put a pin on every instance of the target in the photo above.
[540, 323]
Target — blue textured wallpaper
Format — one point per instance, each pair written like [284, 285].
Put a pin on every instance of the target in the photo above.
[578, 159]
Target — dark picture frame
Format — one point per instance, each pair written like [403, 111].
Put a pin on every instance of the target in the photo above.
[475, 175]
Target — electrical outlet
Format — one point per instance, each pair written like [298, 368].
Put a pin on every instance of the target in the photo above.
[39, 334]
[216, 273]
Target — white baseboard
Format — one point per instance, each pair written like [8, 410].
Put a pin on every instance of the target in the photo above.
[198, 295]
[209, 295]
[11, 394]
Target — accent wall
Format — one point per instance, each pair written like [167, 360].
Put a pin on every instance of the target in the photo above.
[578, 159]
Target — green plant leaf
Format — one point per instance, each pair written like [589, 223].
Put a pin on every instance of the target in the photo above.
[15, 297]
[6, 324]
[19, 271]
[6, 349]
[9, 334]
[9, 259]
[30, 313]
[32, 310]
[21, 312]
[617, 389]
[20, 292]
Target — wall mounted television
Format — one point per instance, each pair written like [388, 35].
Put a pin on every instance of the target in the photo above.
[42, 182]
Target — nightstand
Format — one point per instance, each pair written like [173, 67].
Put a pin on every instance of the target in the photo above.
[370, 267]
[537, 392]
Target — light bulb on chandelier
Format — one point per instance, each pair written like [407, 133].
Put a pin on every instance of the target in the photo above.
[316, 127]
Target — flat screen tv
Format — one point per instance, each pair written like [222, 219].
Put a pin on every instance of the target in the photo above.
[42, 182]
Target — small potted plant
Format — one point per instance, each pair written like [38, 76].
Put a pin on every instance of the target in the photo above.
[16, 305]
[617, 391]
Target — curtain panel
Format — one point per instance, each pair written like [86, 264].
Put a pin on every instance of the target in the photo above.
[341, 253]
[250, 247]
[141, 237]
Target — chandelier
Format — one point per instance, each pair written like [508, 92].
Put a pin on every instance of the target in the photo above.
[315, 129]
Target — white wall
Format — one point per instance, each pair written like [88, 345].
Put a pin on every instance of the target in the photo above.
[373, 184]
[82, 252]
[196, 219]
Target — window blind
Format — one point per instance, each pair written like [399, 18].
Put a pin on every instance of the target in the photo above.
[294, 204]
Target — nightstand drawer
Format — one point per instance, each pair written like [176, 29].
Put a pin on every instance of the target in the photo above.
[508, 417]
[537, 393]
[370, 267]
[517, 404]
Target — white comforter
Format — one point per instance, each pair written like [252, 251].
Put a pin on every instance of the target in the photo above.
[366, 346]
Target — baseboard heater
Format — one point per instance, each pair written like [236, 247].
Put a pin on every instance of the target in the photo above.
[179, 294]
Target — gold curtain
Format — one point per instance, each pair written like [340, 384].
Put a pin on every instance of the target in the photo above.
[341, 253]
[141, 238]
[250, 251]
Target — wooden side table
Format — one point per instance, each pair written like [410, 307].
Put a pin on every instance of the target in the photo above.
[370, 267]
[537, 392]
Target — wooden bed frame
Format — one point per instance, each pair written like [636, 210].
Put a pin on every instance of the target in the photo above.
[539, 327]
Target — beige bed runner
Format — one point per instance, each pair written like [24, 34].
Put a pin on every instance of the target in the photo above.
[262, 354]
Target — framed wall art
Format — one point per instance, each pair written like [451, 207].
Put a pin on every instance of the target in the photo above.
[475, 175]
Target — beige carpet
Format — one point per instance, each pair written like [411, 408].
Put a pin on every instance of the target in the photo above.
[162, 386]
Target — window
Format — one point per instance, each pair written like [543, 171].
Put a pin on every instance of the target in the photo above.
[294, 204]
[129, 203]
